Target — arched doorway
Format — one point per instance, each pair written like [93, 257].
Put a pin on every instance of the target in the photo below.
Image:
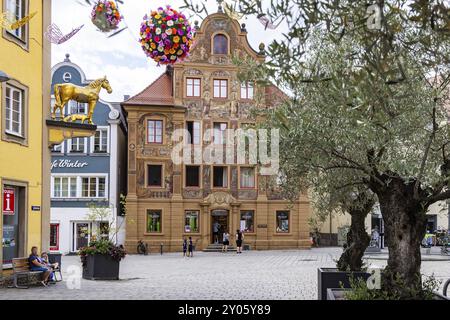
[219, 224]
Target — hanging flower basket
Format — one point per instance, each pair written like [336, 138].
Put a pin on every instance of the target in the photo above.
[106, 16]
[166, 36]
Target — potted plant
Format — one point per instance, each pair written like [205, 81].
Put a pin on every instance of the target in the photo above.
[101, 258]
[359, 290]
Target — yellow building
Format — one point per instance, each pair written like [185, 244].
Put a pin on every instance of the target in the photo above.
[24, 152]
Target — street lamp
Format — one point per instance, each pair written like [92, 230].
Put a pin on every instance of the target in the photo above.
[4, 77]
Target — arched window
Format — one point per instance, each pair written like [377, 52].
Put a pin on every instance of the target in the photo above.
[220, 44]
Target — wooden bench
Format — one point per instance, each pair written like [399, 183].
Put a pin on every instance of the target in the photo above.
[21, 267]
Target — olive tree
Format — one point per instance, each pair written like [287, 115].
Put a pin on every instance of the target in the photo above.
[369, 83]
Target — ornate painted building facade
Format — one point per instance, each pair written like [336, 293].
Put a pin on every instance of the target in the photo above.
[168, 200]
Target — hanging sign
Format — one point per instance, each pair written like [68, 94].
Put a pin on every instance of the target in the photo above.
[8, 201]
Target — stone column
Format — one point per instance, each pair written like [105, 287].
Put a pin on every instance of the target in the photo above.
[205, 224]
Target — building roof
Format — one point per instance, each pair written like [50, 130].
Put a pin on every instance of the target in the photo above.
[159, 92]
[274, 96]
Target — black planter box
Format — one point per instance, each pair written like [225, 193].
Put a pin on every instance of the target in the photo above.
[101, 267]
[339, 294]
[332, 278]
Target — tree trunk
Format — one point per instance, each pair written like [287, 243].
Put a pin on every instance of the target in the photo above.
[357, 239]
[405, 223]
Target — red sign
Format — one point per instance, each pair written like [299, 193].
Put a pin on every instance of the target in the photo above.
[8, 201]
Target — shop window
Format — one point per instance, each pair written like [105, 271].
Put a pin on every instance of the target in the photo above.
[247, 177]
[282, 221]
[220, 177]
[220, 129]
[14, 226]
[154, 173]
[247, 90]
[154, 221]
[193, 86]
[54, 236]
[191, 220]
[193, 128]
[192, 176]
[247, 221]
[220, 88]
[93, 187]
[220, 45]
[101, 141]
[154, 131]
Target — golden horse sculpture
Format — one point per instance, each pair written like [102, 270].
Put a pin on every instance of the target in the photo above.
[88, 94]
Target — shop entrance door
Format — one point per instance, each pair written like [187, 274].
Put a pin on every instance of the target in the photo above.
[81, 235]
[14, 223]
[219, 224]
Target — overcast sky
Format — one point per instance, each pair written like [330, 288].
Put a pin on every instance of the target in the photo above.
[121, 58]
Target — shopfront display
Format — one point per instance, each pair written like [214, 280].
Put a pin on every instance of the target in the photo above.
[10, 240]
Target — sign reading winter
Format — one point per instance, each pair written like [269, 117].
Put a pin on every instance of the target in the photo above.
[63, 163]
[8, 202]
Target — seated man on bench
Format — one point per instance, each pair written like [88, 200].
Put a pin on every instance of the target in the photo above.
[36, 264]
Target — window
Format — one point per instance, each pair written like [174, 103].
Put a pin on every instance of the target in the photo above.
[101, 141]
[154, 131]
[93, 187]
[193, 87]
[192, 176]
[247, 221]
[247, 90]
[220, 45]
[220, 129]
[193, 127]
[74, 107]
[104, 228]
[154, 173]
[64, 187]
[282, 221]
[247, 177]
[154, 219]
[18, 10]
[220, 177]
[14, 110]
[191, 219]
[54, 236]
[220, 88]
[77, 145]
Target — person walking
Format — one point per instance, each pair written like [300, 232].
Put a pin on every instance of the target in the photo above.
[226, 241]
[185, 247]
[239, 239]
[190, 248]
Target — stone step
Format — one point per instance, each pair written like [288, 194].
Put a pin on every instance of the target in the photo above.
[217, 247]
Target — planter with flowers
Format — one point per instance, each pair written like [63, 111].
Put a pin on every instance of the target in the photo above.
[105, 15]
[101, 258]
[166, 36]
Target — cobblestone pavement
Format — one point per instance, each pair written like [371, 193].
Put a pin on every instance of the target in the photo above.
[290, 274]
